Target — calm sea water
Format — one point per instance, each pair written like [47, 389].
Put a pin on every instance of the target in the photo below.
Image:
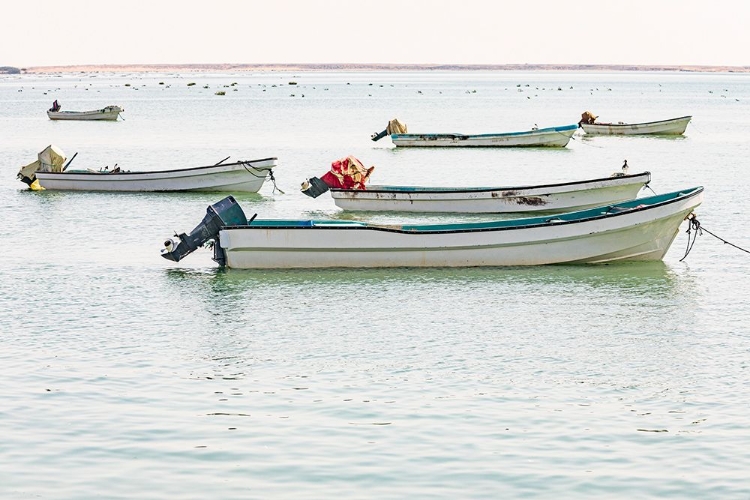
[126, 376]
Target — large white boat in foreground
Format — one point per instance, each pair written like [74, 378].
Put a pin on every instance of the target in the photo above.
[642, 229]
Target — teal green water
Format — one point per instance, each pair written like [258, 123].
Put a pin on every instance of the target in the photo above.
[126, 376]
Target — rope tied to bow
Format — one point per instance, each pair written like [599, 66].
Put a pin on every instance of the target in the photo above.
[270, 175]
[694, 227]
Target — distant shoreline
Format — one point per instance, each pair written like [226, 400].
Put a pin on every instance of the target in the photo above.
[202, 68]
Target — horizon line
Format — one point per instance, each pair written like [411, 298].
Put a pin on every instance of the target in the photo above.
[377, 66]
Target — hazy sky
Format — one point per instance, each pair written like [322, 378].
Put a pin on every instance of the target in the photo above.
[66, 32]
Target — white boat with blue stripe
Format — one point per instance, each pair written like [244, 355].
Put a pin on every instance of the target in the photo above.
[536, 137]
[637, 230]
[545, 198]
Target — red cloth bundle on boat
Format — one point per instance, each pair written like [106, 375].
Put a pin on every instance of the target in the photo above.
[347, 173]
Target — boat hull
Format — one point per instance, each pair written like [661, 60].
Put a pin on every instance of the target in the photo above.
[546, 137]
[544, 199]
[638, 233]
[245, 177]
[674, 126]
[110, 113]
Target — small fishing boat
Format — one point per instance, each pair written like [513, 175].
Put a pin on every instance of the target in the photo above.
[51, 172]
[108, 113]
[673, 126]
[641, 229]
[549, 198]
[536, 137]
[348, 176]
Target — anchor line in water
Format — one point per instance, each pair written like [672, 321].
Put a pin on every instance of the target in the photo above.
[273, 179]
[694, 227]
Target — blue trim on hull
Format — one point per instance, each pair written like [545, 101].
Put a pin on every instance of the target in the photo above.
[564, 128]
[600, 212]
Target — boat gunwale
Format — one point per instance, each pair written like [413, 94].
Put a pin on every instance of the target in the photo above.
[141, 172]
[541, 221]
[428, 190]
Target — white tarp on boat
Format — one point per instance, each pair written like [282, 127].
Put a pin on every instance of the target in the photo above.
[51, 159]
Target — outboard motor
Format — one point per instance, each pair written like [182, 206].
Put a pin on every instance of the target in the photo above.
[379, 135]
[394, 127]
[226, 212]
[314, 187]
[346, 173]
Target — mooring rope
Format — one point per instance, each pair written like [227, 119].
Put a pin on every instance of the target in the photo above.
[273, 179]
[694, 227]
[246, 164]
[270, 175]
[692, 224]
[580, 142]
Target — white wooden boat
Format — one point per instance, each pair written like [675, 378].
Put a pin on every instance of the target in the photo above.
[673, 126]
[549, 198]
[49, 172]
[108, 113]
[640, 229]
[536, 137]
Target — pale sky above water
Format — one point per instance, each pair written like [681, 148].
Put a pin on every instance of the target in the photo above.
[649, 32]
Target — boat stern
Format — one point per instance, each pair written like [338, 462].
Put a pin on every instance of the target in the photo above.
[50, 159]
[226, 212]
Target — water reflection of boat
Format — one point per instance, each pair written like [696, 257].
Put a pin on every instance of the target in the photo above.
[226, 289]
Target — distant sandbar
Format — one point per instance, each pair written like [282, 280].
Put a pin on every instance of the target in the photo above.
[185, 68]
